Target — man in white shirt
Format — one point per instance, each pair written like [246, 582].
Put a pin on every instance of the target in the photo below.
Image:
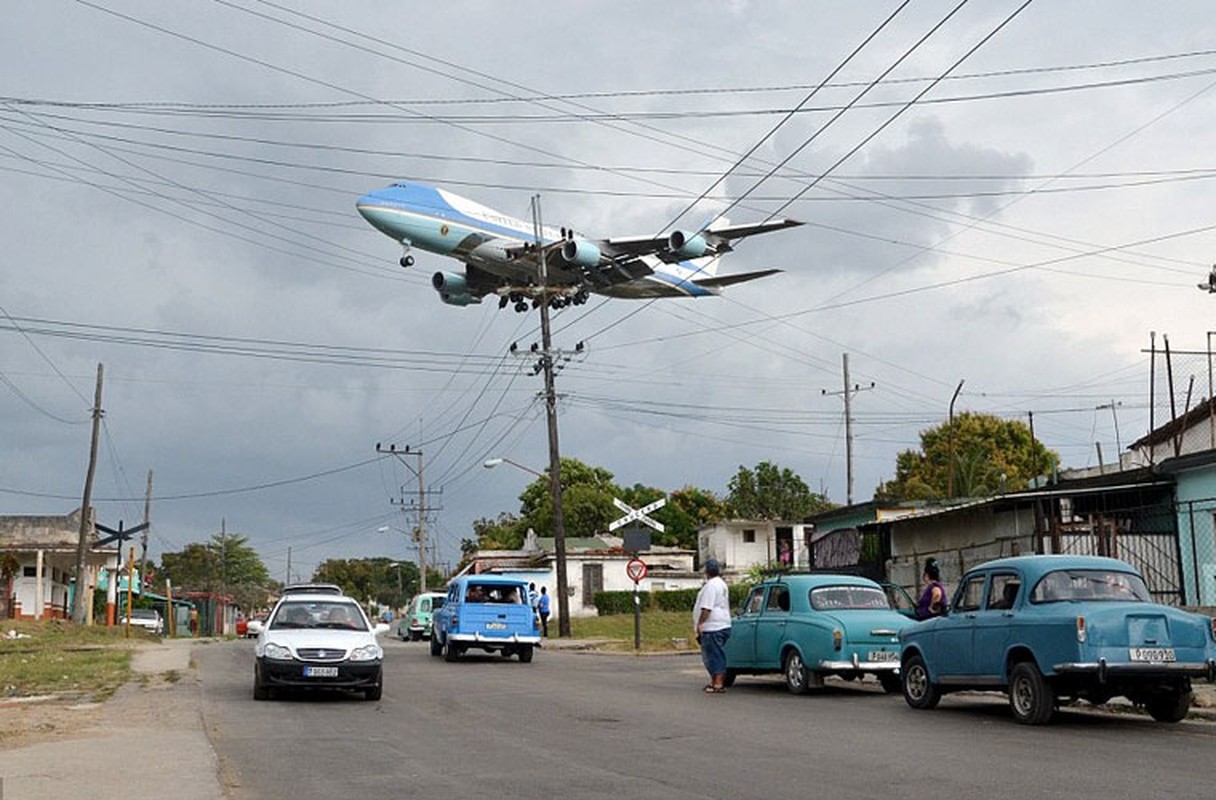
[711, 625]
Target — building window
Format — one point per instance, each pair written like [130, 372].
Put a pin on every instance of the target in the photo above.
[749, 537]
[29, 572]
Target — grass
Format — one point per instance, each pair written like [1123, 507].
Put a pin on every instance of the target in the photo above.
[62, 658]
[662, 631]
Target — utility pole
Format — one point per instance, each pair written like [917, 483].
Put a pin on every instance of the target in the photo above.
[1112, 405]
[848, 393]
[422, 509]
[555, 465]
[82, 600]
[950, 466]
[287, 576]
[143, 562]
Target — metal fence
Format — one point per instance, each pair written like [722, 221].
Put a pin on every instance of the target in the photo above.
[1197, 552]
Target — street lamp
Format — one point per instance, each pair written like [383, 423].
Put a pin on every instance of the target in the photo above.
[559, 540]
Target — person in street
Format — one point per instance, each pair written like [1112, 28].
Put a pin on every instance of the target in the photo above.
[533, 597]
[932, 602]
[542, 608]
[711, 625]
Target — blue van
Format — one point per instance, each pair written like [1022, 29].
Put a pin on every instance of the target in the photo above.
[488, 612]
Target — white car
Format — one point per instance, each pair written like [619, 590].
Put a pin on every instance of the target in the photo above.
[147, 618]
[317, 641]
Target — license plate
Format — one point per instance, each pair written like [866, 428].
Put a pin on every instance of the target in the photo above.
[882, 655]
[1153, 654]
[320, 672]
[496, 626]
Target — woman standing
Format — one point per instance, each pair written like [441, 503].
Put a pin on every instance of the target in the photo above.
[932, 601]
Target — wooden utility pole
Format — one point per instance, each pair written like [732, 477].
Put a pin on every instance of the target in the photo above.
[143, 558]
[83, 600]
[849, 391]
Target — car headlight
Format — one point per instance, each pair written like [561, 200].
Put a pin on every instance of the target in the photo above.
[277, 652]
[368, 652]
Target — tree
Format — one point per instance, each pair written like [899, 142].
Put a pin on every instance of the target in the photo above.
[769, 492]
[225, 564]
[976, 456]
[381, 580]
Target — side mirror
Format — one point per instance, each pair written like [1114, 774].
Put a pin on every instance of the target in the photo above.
[254, 626]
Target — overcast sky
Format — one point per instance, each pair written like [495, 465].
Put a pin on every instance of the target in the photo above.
[1013, 200]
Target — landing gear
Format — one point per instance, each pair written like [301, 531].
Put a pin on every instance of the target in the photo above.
[406, 261]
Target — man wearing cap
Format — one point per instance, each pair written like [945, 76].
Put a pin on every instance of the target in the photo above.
[711, 625]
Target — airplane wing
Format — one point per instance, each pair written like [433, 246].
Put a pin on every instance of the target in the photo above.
[679, 245]
[730, 280]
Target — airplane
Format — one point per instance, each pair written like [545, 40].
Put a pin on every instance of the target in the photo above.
[502, 258]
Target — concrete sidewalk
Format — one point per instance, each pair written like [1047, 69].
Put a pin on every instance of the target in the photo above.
[149, 742]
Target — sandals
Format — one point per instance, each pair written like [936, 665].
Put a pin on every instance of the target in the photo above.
[711, 689]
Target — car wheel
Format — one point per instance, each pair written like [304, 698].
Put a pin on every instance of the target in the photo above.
[728, 678]
[436, 647]
[919, 690]
[260, 690]
[450, 651]
[797, 676]
[1030, 695]
[1171, 705]
[891, 684]
[525, 654]
[374, 692]
[415, 636]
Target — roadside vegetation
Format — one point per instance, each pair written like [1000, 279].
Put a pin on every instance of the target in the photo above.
[56, 657]
[662, 631]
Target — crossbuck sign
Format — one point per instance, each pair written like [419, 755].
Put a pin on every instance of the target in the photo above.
[637, 514]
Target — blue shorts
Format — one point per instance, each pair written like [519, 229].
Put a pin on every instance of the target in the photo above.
[713, 650]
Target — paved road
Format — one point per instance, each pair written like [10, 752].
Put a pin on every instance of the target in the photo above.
[596, 726]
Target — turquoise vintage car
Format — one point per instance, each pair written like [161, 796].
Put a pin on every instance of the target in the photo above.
[1044, 628]
[810, 626]
[415, 623]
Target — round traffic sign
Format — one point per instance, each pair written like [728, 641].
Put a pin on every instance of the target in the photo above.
[636, 569]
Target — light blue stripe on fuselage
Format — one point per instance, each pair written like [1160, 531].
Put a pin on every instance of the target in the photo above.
[421, 215]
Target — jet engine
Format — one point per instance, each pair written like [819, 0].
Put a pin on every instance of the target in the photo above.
[581, 253]
[686, 246]
[453, 289]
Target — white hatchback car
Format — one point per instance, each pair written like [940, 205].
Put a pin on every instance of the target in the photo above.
[317, 641]
[146, 618]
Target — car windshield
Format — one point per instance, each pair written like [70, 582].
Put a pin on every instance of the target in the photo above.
[838, 598]
[318, 614]
[1090, 584]
[143, 613]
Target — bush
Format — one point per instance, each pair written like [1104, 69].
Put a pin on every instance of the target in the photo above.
[608, 603]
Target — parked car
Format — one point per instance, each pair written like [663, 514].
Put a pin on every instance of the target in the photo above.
[147, 618]
[811, 626]
[1045, 628]
[488, 612]
[416, 622]
[317, 641]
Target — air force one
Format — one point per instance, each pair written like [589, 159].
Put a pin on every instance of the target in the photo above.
[502, 258]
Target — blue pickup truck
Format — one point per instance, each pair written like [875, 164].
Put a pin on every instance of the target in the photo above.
[487, 612]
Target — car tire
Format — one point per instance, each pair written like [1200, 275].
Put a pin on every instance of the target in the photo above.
[450, 651]
[891, 684]
[374, 692]
[260, 690]
[1171, 705]
[919, 690]
[415, 636]
[797, 676]
[525, 654]
[728, 678]
[436, 647]
[1031, 697]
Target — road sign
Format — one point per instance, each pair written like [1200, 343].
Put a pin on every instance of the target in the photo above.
[638, 514]
[636, 569]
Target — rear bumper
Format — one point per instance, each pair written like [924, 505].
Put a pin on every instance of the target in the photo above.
[351, 675]
[1102, 669]
[858, 665]
[481, 640]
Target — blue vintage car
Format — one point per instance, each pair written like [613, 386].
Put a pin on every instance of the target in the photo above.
[1045, 628]
[486, 612]
[811, 626]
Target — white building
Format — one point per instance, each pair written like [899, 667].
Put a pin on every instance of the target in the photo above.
[595, 564]
[739, 545]
[38, 555]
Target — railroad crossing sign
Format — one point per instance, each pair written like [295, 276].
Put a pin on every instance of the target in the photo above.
[638, 514]
[636, 569]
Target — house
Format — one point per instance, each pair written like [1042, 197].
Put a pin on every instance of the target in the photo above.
[593, 564]
[1195, 501]
[739, 545]
[40, 554]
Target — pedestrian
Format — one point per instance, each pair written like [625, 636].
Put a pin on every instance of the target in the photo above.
[542, 606]
[533, 597]
[711, 625]
[932, 601]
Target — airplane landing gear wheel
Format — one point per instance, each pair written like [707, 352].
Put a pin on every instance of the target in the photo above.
[406, 261]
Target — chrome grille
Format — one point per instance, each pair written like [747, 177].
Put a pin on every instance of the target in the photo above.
[321, 654]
